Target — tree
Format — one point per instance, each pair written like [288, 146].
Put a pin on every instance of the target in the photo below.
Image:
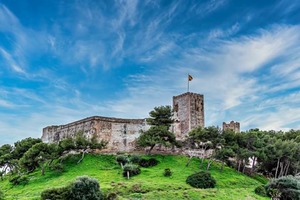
[39, 155]
[161, 116]
[5, 159]
[158, 134]
[223, 154]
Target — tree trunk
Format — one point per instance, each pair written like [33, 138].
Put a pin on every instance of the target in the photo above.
[208, 164]
[151, 149]
[277, 167]
[81, 156]
[239, 167]
[201, 163]
[244, 166]
[128, 175]
[187, 164]
[287, 168]
[253, 165]
[281, 169]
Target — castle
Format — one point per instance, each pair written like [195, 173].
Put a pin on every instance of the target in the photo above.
[234, 126]
[121, 134]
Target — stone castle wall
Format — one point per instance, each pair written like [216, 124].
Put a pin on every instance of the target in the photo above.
[120, 134]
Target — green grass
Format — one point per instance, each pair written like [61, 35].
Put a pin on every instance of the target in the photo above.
[150, 184]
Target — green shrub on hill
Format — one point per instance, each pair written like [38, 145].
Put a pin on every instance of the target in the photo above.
[260, 190]
[167, 172]
[148, 163]
[19, 180]
[201, 180]
[287, 187]
[83, 188]
[135, 159]
[122, 159]
[131, 170]
[56, 193]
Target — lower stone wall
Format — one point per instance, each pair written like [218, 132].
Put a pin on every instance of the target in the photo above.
[121, 134]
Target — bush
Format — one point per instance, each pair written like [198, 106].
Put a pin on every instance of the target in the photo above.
[135, 159]
[122, 160]
[19, 180]
[131, 169]
[287, 187]
[260, 190]
[57, 167]
[201, 180]
[167, 172]
[56, 193]
[85, 187]
[148, 163]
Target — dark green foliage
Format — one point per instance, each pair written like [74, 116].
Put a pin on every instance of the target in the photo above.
[56, 194]
[24, 145]
[167, 172]
[67, 144]
[19, 180]
[135, 159]
[161, 116]
[111, 196]
[260, 190]
[85, 188]
[122, 159]
[57, 167]
[201, 180]
[148, 163]
[131, 169]
[287, 186]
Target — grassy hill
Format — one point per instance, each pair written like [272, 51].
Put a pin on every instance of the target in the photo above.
[150, 184]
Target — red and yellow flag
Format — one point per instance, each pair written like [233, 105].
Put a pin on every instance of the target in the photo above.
[190, 78]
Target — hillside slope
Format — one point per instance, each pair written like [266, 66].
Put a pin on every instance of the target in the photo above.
[150, 184]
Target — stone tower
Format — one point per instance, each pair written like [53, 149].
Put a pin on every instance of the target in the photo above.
[188, 113]
[234, 126]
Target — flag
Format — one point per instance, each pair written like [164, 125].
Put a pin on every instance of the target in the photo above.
[190, 78]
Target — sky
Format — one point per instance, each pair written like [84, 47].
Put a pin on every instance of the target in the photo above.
[62, 61]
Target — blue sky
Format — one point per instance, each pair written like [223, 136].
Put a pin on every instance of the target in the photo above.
[61, 61]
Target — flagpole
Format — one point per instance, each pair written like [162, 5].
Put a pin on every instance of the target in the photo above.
[188, 83]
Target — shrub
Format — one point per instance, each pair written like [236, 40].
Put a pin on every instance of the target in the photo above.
[131, 169]
[56, 193]
[19, 180]
[135, 159]
[167, 172]
[260, 190]
[201, 180]
[57, 167]
[148, 163]
[85, 187]
[288, 187]
[122, 160]
[111, 196]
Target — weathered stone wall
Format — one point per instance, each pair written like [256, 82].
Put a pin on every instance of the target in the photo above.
[188, 113]
[234, 126]
[120, 134]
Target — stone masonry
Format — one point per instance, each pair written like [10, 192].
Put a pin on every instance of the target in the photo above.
[121, 134]
[234, 126]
